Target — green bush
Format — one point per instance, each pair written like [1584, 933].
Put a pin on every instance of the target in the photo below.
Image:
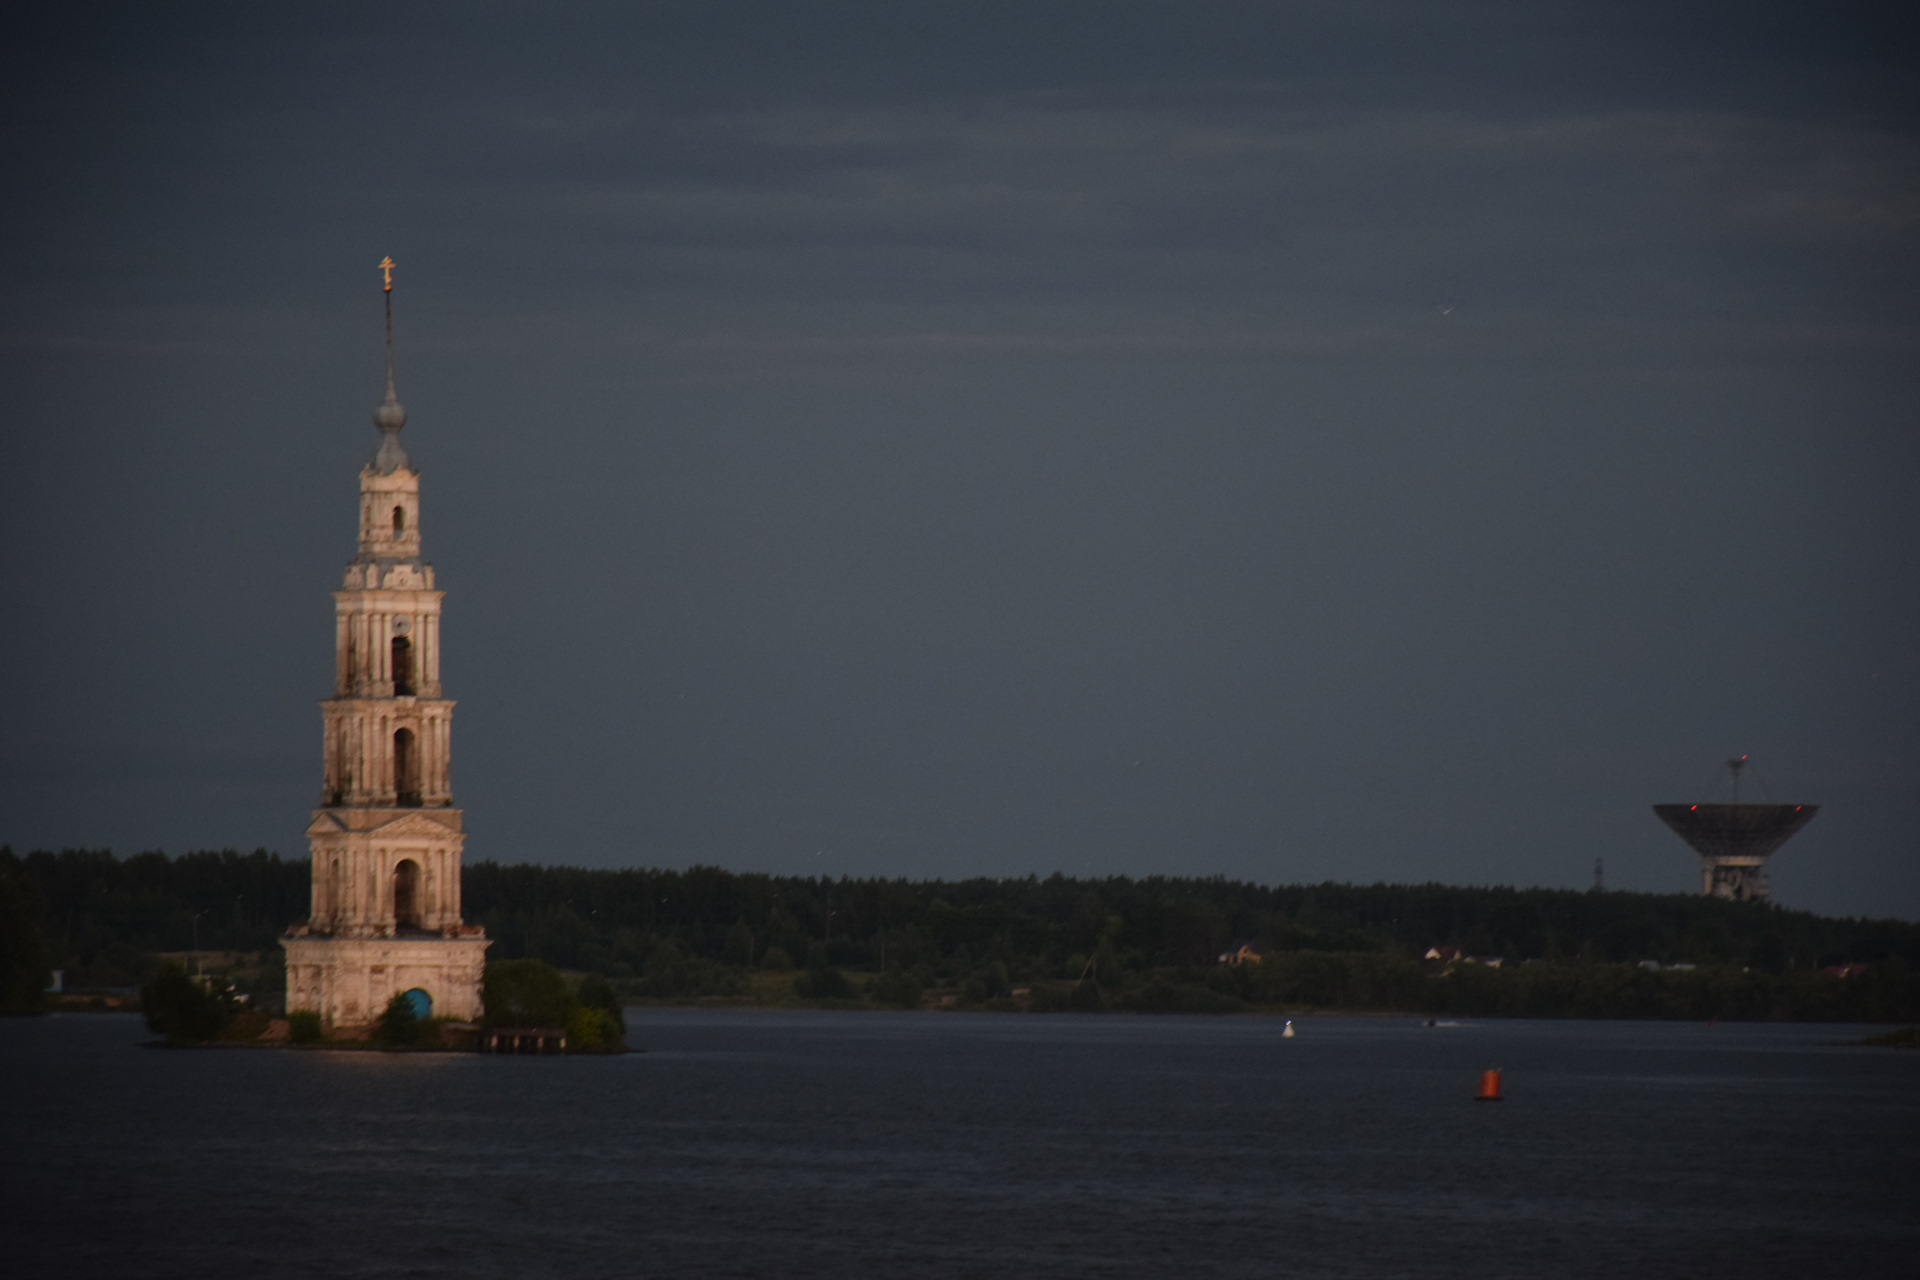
[526, 993]
[738, 948]
[671, 974]
[1051, 1000]
[1081, 997]
[245, 1027]
[987, 984]
[593, 1030]
[184, 1010]
[776, 960]
[399, 1026]
[1087, 997]
[1107, 969]
[1342, 980]
[824, 984]
[895, 989]
[303, 1026]
[598, 1025]
[597, 993]
[1161, 996]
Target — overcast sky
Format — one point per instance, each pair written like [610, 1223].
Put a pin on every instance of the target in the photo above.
[1355, 441]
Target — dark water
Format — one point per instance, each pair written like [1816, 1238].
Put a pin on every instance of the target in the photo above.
[818, 1144]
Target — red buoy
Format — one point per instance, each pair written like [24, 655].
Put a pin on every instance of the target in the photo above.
[1489, 1086]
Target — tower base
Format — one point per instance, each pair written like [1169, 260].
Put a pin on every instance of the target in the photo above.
[1742, 879]
[348, 981]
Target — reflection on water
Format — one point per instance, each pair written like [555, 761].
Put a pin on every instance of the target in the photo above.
[822, 1144]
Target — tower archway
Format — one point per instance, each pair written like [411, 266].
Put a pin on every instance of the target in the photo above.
[402, 666]
[406, 894]
[406, 768]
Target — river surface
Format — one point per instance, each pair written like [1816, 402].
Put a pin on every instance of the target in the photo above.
[932, 1145]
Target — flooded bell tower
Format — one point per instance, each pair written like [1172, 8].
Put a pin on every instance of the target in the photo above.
[386, 842]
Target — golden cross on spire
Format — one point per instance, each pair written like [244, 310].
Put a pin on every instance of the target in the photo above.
[386, 272]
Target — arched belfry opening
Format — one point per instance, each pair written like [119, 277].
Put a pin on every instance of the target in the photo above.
[402, 666]
[406, 768]
[399, 521]
[406, 894]
[343, 763]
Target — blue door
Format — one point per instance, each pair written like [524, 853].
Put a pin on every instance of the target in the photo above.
[422, 1003]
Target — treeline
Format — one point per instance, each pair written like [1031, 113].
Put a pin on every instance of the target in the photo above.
[598, 919]
[105, 919]
[1885, 992]
[1146, 943]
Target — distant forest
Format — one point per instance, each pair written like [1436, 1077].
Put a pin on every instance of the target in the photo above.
[1150, 942]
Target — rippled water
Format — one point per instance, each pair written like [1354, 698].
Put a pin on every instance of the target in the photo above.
[874, 1144]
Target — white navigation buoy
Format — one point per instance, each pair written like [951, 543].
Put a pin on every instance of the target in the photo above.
[1286, 1032]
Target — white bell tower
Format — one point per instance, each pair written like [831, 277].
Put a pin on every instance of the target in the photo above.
[386, 841]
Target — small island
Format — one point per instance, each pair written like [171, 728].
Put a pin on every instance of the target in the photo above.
[531, 1008]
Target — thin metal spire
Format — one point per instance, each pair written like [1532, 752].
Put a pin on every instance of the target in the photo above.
[386, 292]
[389, 417]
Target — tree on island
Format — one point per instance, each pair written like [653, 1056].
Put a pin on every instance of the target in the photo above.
[530, 993]
[184, 1009]
[401, 1027]
[598, 1022]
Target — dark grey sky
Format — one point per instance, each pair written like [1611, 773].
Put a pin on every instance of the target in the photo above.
[1353, 441]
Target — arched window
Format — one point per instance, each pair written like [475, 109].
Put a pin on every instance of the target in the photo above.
[406, 894]
[399, 521]
[342, 768]
[406, 768]
[402, 666]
